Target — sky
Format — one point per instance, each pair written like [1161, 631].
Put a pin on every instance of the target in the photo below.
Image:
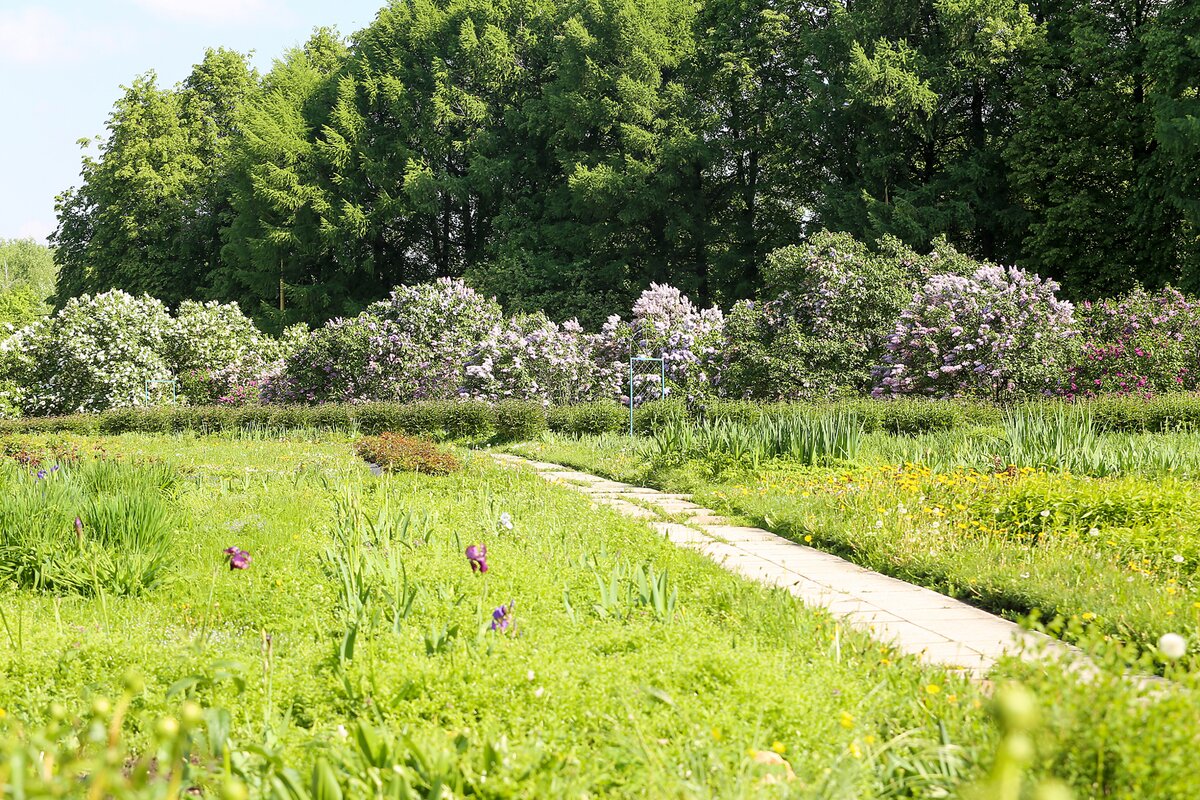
[63, 62]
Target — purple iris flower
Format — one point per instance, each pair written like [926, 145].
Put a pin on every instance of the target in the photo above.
[477, 555]
[502, 617]
[238, 558]
[41, 474]
[79, 529]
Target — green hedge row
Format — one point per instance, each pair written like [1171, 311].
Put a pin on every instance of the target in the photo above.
[514, 420]
[467, 421]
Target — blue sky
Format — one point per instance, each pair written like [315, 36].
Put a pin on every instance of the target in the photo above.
[62, 63]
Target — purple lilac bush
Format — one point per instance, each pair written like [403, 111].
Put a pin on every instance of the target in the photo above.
[998, 333]
[1141, 344]
[664, 322]
[528, 357]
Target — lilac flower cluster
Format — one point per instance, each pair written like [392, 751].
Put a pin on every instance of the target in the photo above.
[1141, 344]
[665, 323]
[995, 333]
[528, 357]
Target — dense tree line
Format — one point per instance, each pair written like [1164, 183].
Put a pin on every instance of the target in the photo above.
[563, 154]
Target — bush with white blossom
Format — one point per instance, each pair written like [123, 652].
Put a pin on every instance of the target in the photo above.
[97, 352]
[998, 333]
[529, 357]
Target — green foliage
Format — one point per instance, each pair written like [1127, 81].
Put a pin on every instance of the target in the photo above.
[147, 216]
[519, 420]
[656, 414]
[589, 419]
[122, 544]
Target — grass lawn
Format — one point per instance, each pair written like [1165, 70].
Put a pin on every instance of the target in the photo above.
[356, 655]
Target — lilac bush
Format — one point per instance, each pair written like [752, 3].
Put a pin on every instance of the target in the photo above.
[95, 353]
[1141, 344]
[998, 333]
[413, 346]
[528, 357]
[665, 323]
[824, 316]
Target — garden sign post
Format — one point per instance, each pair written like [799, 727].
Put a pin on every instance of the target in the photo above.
[662, 381]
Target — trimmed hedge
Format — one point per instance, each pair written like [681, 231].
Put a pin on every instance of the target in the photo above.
[474, 421]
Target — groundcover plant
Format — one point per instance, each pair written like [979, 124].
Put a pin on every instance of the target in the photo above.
[323, 631]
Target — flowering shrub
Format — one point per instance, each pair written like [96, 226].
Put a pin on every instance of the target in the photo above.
[1141, 344]
[770, 355]
[828, 308]
[412, 346]
[528, 357]
[996, 333]
[97, 352]
[424, 339]
[328, 366]
[665, 323]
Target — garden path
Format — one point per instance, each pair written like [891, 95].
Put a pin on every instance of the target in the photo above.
[915, 620]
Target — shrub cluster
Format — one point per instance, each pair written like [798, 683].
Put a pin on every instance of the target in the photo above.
[111, 350]
[393, 452]
[518, 420]
[836, 320]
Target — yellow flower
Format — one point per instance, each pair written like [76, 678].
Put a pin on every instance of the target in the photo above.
[932, 688]
[951, 699]
[808, 538]
[855, 750]
[779, 747]
[1088, 616]
[869, 739]
[847, 720]
[716, 734]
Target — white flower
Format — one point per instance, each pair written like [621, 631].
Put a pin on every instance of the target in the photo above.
[1172, 646]
[529, 676]
[1178, 559]
[1094, 532]
[538, 692]
[506, 521]
[1045, 513]
[341, 732]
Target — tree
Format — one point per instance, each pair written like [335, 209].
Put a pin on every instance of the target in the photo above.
[274, 259]
[146, 216]
[914, 108]
[1083, 156]
[595, 165]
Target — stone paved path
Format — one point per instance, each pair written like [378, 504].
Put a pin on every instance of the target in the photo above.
[936, 628]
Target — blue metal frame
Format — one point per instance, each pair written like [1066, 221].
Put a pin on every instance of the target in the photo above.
[662, 382]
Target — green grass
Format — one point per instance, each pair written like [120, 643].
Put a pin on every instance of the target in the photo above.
[357, 648]
[1120, 555]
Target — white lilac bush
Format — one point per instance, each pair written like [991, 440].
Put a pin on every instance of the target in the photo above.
[529, 357]
[664, 323]
[97, 352]
[220, 355]
[998, 333]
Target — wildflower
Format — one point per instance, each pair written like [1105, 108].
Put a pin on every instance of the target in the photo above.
[847, 720]
[1172, 646]
[41, 474]
[477, 555]
[1178, 559]
[238, 558]
[932, 688]
[79, 529]
[779, 747]
[502, 617]
[506, 521]
[1045, 513]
